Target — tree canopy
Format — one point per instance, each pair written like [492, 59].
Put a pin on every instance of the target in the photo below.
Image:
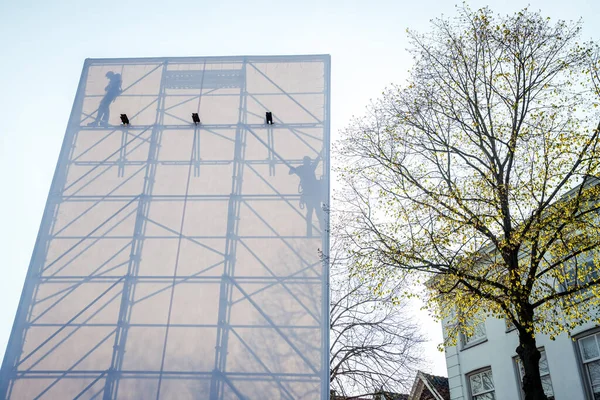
[480, 175]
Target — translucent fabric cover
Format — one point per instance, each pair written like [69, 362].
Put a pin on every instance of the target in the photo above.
[178, 260]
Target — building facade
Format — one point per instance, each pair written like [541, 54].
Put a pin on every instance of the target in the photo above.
[486, 366]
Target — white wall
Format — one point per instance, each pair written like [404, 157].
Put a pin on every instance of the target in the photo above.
[498, 351]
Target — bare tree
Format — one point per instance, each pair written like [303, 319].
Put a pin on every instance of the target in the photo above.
[375, 342]
[480, 176]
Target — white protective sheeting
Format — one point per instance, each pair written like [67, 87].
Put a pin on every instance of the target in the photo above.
[182, 261]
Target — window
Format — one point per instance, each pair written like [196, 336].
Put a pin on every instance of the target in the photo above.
[590, 355]
[477, 336]
[544, 373]
[579, 271]
[481, 385]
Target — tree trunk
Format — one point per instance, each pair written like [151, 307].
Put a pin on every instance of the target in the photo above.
[530, 357]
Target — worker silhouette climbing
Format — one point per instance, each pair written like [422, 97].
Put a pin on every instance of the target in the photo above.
[311, 191]
[113, 90]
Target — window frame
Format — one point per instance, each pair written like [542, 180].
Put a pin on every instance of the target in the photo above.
[570, 271]
[581, 364]
[516, 361]
[477, 372]
[466, 344]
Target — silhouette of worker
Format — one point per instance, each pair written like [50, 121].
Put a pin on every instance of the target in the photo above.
[311, 192]
[113, 90]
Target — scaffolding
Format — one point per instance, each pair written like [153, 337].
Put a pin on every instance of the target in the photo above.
[182, 260]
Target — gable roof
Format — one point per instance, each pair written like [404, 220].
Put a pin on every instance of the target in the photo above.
[430, 387]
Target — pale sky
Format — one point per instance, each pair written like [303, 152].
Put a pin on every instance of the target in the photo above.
[43, 45]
